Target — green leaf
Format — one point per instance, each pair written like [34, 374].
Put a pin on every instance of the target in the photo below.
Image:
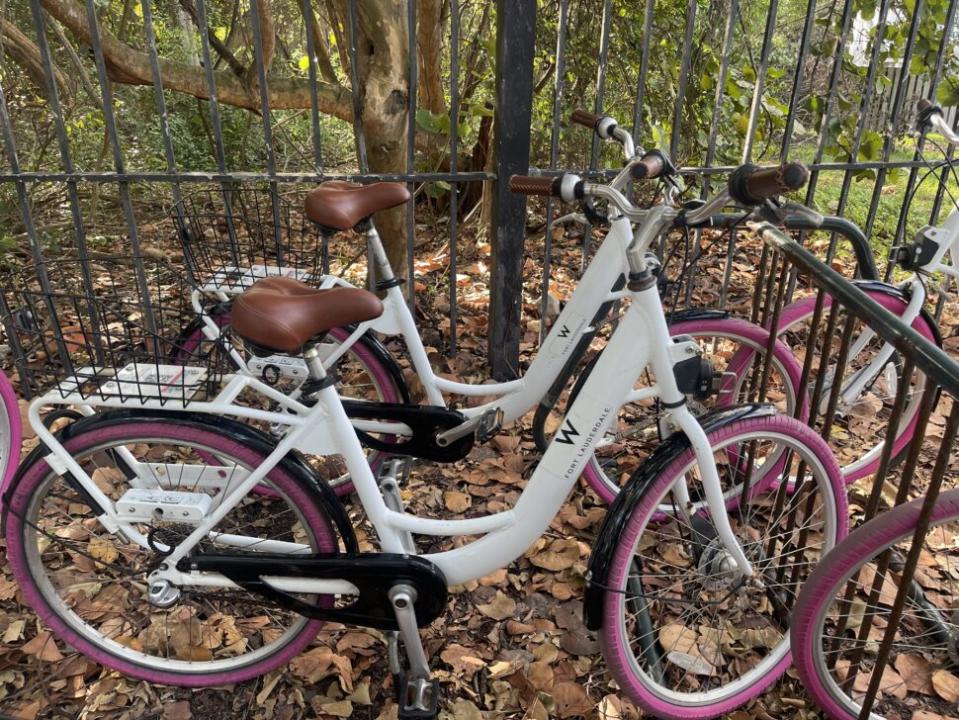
[303, 63]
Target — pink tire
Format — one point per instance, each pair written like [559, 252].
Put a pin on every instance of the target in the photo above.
[827, 586]
[665, 678]
[115, 641]
[744, 334]
[10, 434]
[793, 315]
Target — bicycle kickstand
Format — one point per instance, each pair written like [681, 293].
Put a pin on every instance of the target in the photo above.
[417, 694]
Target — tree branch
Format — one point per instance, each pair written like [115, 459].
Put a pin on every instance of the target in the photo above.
[132, 67]
[222, 50]
[26, 54]
[322, 50]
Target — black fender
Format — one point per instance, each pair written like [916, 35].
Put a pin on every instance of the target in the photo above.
[293, 463]
[695, 314]
[620, 511]
[367, 339]
[904, 295]
[384, 357]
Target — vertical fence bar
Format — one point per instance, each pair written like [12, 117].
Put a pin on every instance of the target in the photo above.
[309, 19]
[720, 92]
[454, 149]
[760, 80]
[266, 118]
[797, 78]
[217, 125]
[601, 78]
[920, 143]
[411, 150]
[355, 86]
[515, 40]
[160, 100]
[864, 105]
[559, 81]
[687, 59]
[643, 69]
[66, 160]
[897, 103]
[605, 30]
[123, 186]
[830, 100]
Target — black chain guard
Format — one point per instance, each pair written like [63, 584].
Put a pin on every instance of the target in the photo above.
[374, 574]
[426, 421]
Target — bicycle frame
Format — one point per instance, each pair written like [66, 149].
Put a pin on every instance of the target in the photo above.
[506, 535]
[514, 398]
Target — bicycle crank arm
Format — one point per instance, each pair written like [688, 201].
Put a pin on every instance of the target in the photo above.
[373, 574]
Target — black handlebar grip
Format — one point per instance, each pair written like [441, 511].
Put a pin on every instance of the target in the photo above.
[651, 165]
[584, 118]
[926, 111]
[534, 185]
[751, 185]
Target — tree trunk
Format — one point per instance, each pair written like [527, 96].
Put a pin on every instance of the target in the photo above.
[382, 71]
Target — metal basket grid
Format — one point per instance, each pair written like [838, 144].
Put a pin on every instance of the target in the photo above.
[233, 237]
[110, 330]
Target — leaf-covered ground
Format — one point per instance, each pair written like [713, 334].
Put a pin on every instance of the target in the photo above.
[511, 645]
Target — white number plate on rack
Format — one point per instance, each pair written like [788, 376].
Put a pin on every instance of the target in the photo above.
[158, 381]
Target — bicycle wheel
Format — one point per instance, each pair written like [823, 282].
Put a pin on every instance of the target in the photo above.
[636, 433]
[860, 421]
[10, 431]
[363, 372]
[90, 587]
[841, 618]
[684, 636]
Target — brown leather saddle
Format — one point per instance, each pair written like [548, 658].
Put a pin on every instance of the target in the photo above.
[340, 205]
[283, 314]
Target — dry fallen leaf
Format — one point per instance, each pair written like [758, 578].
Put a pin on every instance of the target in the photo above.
[946, 685]
[500, 608]
[43, 647]
[571, 699]
[456, 501]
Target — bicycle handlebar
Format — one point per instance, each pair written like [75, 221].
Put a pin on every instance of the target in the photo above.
[585, 118]
[751, 185]
[930, 116]
[651, 165]
[533, 185]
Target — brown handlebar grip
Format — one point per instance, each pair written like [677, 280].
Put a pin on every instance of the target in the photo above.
[533, 185]
[586, 119]
[751, 185]
[650, 166]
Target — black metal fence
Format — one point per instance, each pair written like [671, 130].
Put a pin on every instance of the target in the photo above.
[911, 585]
[717, 85]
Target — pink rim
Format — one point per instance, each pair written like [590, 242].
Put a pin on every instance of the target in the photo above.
[381, 376]
[615, 646]
[826, 580]
[12, 452]
[800, 309]
[595, 477]
[16, 554]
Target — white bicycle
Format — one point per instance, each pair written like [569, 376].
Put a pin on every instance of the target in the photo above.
[136, 535]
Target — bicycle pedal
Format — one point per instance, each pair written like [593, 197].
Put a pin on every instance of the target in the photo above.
[418, 698]
[490, 423]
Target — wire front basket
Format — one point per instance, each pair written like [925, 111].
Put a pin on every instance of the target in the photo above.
[233, 237]
[109, 329]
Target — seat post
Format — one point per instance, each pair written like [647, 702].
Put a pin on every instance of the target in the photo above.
[384, 271]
